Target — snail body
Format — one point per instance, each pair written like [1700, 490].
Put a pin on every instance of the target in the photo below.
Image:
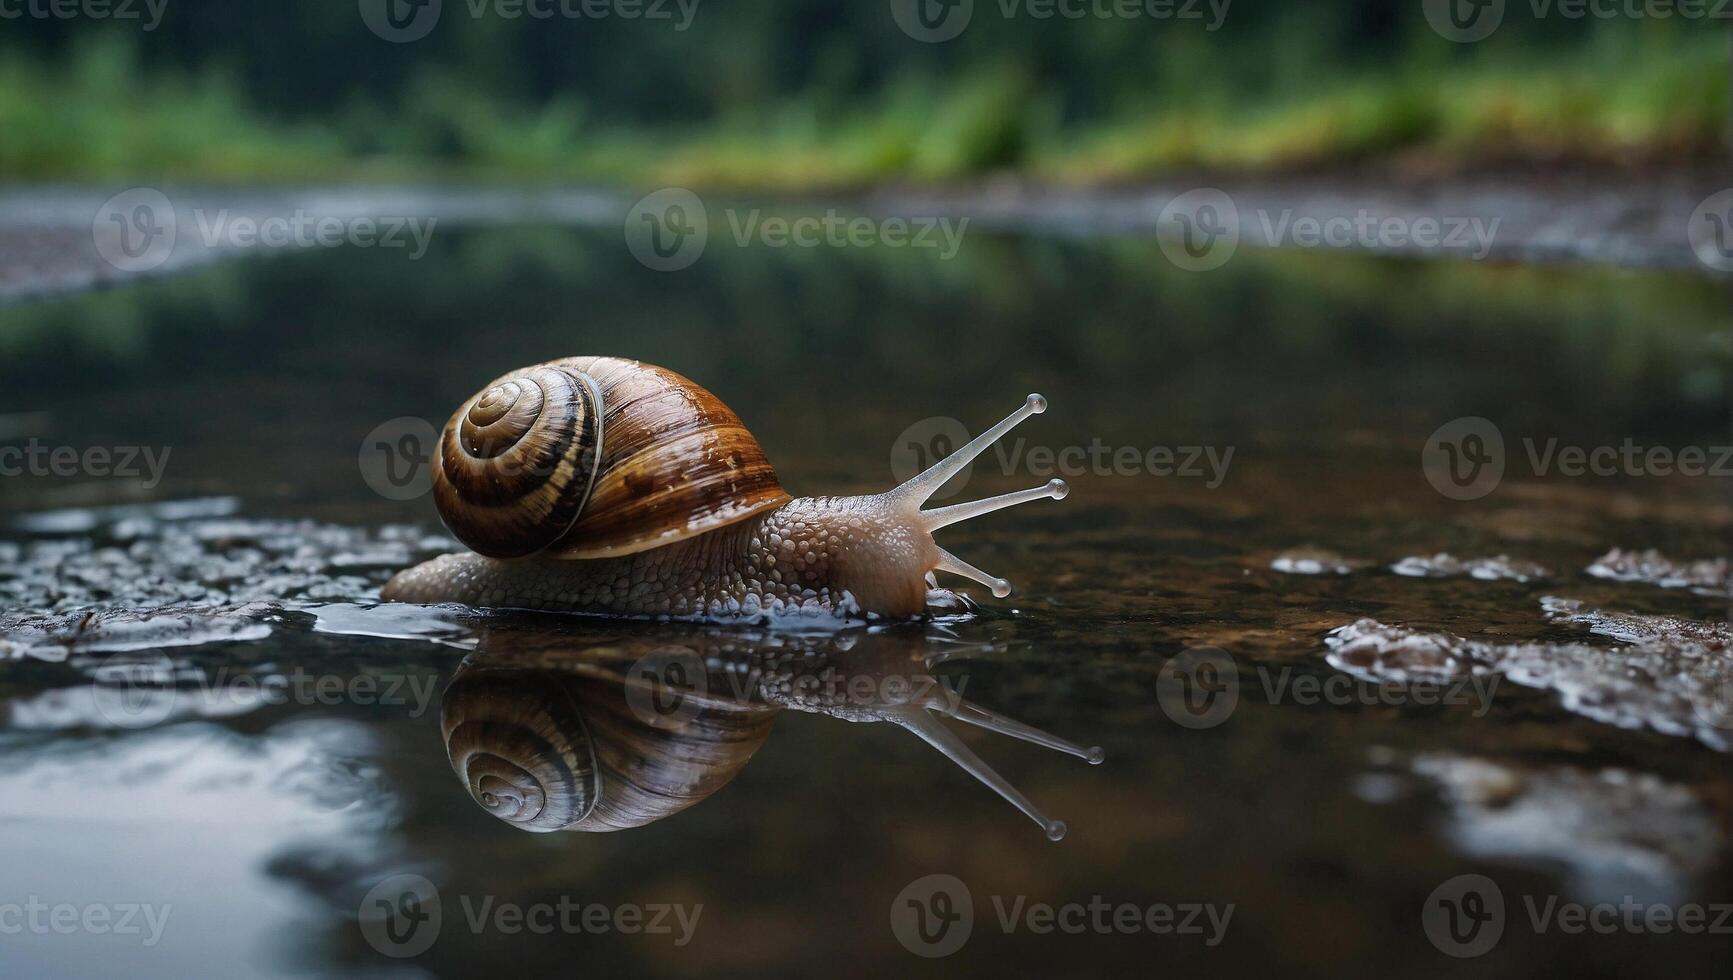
[602, 485]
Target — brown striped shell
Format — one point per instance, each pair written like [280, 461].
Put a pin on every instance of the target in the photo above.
[596, 457]
[568, 738]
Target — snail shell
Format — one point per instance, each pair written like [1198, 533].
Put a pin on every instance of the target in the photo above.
[552, 742]
[596, 457]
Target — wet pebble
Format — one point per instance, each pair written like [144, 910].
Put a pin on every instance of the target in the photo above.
[1704, 577]
[1442, 565]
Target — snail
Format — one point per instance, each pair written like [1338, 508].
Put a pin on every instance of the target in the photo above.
[618, 732]
[603, 485]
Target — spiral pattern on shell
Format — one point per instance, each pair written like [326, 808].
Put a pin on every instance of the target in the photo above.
[535, 769]
[518, 461]
[557, 738]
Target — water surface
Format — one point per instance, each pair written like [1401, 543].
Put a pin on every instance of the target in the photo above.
[1341, 785]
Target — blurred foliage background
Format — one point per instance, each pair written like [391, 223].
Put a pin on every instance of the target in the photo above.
[806, 93]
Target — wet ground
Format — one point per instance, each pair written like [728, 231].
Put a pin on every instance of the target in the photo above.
[1327, 678]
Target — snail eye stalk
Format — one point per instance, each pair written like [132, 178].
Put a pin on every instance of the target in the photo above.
[917, 490]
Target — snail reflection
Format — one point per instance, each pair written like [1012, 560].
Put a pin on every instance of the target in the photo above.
[612, 733]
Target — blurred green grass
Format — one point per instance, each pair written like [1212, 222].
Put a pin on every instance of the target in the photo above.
[1628, 98]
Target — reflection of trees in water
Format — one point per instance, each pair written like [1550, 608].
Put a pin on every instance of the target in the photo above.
[1266, 337]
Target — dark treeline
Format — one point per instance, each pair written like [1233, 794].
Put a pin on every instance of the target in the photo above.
[300, 59]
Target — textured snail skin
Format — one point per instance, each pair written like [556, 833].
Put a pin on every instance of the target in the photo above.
[841, 555]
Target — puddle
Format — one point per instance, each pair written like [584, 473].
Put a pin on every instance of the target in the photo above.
[234, 724]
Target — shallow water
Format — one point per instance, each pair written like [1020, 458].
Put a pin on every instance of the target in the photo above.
[241, 734]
